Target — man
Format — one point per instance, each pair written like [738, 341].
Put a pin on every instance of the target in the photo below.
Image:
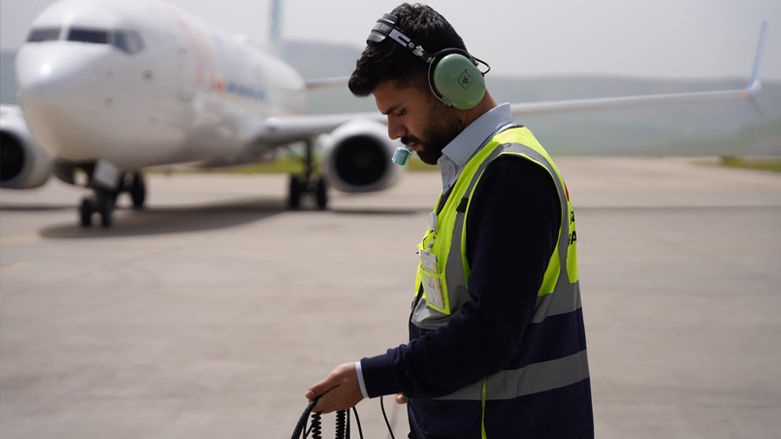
[497, 344]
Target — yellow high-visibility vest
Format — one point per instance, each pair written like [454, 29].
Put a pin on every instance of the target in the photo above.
[444, 285]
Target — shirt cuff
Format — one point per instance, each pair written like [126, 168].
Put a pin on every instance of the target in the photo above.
[361, 383]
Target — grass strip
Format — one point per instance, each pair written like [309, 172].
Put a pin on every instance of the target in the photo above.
[285, 165]
[762, 164]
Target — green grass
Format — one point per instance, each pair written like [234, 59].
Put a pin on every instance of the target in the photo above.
[293, 165]
[283, 165]
[763, 164]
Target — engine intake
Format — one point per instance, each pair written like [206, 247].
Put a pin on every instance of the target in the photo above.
[357, 157]
[11, 157]
[23, 163]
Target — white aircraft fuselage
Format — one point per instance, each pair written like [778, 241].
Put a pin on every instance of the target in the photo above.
[114, 86]
[144, 83]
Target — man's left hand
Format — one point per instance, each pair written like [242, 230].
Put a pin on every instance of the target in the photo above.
[339, 390]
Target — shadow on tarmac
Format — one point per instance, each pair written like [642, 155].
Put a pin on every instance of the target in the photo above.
[163, 221]
[34, 208]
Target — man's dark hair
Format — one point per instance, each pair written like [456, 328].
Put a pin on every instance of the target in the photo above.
[388, 60]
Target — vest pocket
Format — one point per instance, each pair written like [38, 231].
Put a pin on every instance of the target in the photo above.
[434, 290]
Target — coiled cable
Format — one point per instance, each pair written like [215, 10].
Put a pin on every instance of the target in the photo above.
[341, 424]
[301, 425]
[315, 428]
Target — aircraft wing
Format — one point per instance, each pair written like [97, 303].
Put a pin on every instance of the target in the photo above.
[327, 83]
[282, 130]
[634, 101]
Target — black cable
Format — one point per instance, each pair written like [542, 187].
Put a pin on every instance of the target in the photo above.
[301, 425]
[358, 421]
[382, 405]
[340, 425]
[348, 423]
[316, 428]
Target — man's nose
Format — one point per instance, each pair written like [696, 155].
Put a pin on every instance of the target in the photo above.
[395, 129]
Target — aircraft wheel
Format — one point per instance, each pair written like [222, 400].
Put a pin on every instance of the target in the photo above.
[296, 189]
[85, 212]
[321, 193]
[138, 191]
[106, 210]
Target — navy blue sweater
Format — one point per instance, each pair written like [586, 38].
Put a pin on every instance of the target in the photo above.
[513, 198]
[512, 229]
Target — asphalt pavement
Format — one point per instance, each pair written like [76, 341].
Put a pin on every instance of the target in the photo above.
[209, 313]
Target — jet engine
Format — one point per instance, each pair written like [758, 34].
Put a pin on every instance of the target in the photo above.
[357, 157]
[23, 163]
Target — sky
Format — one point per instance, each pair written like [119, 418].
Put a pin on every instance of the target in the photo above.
[640, 38]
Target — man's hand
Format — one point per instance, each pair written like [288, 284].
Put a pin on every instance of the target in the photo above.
[400, 398]
[340, 390]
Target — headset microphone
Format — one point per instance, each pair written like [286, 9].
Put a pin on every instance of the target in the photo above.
[402, 155]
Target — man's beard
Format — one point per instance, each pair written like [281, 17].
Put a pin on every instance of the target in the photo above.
[443, 127]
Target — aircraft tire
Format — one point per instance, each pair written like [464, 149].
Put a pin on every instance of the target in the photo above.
[138, 191]
[321, 193]
[86, 210]
[106, 210]
[294, 200]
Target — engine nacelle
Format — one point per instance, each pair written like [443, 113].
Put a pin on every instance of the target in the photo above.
[357, 157]
[23, 163]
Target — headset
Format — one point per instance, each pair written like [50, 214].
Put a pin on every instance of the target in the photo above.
[452, 73]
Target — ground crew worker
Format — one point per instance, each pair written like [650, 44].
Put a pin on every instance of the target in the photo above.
[497, 343]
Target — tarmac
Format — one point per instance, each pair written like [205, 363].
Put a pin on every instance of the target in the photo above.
[209, 313]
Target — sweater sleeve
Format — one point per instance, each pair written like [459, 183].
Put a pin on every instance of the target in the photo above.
[512, 229]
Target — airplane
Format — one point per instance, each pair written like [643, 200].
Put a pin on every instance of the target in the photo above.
[112, 87]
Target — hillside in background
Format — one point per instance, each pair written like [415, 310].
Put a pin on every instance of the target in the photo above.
[711, 129]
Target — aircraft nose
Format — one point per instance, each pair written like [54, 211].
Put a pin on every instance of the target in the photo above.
[53, 83]
[50, 73]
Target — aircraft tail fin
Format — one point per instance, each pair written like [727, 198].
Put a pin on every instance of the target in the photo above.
[275, 25]
[754, 84]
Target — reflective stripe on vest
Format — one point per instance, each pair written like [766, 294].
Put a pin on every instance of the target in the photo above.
[557, 295]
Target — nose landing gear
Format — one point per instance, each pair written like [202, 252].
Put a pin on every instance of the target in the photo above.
[308, 183]
[102, 203]
[104, 200]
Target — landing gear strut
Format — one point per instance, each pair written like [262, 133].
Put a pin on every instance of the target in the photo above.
[104, 199]
[308, 183]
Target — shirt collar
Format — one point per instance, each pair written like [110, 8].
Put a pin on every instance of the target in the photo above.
[474, 136]
[458, 152]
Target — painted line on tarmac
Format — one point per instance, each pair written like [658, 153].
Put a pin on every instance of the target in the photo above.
[19, 240]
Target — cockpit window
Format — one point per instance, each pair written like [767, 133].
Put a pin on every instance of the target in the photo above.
[94, 36]
[43, 34]
[128, 41]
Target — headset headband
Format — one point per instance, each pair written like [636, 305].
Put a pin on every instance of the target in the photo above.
[386, 27]
[451, 71]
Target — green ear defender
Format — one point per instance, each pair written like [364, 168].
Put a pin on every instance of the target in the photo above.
[452, 73]
[455, 79]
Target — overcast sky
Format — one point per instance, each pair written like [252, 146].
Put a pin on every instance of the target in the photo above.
[650, 38]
